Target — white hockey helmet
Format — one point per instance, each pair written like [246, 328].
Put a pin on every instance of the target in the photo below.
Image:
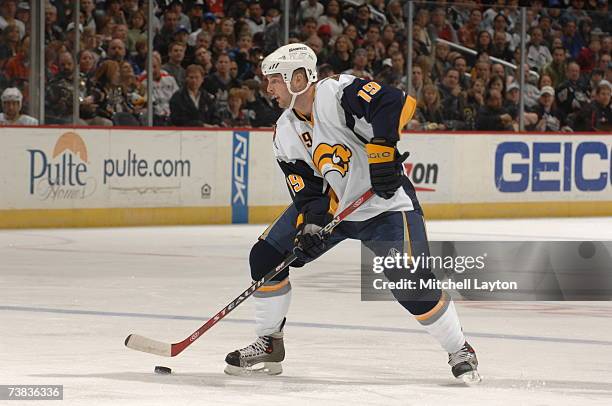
[12, 94]
[286, 60]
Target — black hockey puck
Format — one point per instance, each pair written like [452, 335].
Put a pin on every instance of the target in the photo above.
[162, 370]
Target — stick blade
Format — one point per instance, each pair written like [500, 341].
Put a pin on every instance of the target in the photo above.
[144, 344]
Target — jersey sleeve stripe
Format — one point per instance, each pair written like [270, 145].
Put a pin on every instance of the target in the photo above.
[407, 112]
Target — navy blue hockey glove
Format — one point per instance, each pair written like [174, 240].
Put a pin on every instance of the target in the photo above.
[308, 243]
[386, 171]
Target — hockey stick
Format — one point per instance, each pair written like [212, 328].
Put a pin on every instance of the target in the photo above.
[144, 344]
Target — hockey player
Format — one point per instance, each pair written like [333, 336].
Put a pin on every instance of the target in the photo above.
[335, 139]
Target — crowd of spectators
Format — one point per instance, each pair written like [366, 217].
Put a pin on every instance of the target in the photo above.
[207, 56]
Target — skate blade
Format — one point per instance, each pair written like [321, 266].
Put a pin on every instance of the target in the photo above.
[470, 378]
[266, 368]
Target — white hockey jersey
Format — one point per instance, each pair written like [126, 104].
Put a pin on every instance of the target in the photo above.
[328, 149]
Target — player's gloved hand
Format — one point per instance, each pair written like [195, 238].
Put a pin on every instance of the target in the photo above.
[386, 171]
[308, 243]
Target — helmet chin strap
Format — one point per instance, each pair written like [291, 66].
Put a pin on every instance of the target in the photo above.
[295, 94]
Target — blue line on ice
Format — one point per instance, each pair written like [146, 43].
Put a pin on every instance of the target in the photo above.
[307, 325]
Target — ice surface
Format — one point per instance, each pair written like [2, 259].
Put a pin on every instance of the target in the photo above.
[68, 299]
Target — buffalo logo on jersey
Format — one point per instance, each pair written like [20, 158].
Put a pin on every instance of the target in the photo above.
[330, 158]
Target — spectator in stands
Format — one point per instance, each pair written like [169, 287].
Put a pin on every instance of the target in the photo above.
[440, 62]
[8, 11]
[226, 27]
[192, 106]
[360, 63]
[500, 48]
[9, 46]
[220, 45]
[196, 14]
[511, 104]
[602, 108]
[273, 33]
[474, 102]
[589, 57]
[166, 34]
[309, 9]
[556, 69]
[572, 41]
[395, 16]
[263, 112]
[176, 54]
[308, 29]
[395, 75]
[87, 14]
[114, 11]
[421, 41]
[109, 98]
[484, 42]
[12, 100]
[255, 19]
[116, 50]
[219, 83]
[334, 18]
[538, 54]
[52, 31]
[59, 93]
[440, 28]
[176, 6]
[236, 115]
[493, 117]
[482, 71]
[548, 115]
[453, 100]
[545, 80]
[419, 80]
[17, 68]
[429, 114]
[133, 89]
[595, 116]
[164, 86]
[203, 58]
[23, 14]
[137, 30]
[351, 32]
[372, 37]
[468, 33]
[571, 94]
[497, 83]
[362, 20]
[460, 63]
[87, 63]
[340, 59]
[500, 25]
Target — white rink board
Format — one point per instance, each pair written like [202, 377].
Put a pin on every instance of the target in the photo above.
[211, 169]
[100, 156]
[471, 168]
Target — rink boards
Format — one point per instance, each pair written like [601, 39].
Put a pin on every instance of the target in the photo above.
[54, 177]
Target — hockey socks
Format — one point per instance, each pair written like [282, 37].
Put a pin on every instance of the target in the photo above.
[442, 323]
[271, 306]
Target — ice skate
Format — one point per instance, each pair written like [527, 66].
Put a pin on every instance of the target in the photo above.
[264, 356]
[464, 364]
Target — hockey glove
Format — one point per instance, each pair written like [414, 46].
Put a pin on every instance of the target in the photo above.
[308, 243]
[386, 172]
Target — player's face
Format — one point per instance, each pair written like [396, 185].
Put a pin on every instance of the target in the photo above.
[11, 109]
[194, 80]
[277, 89]
[547, 100]
[603, 96]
